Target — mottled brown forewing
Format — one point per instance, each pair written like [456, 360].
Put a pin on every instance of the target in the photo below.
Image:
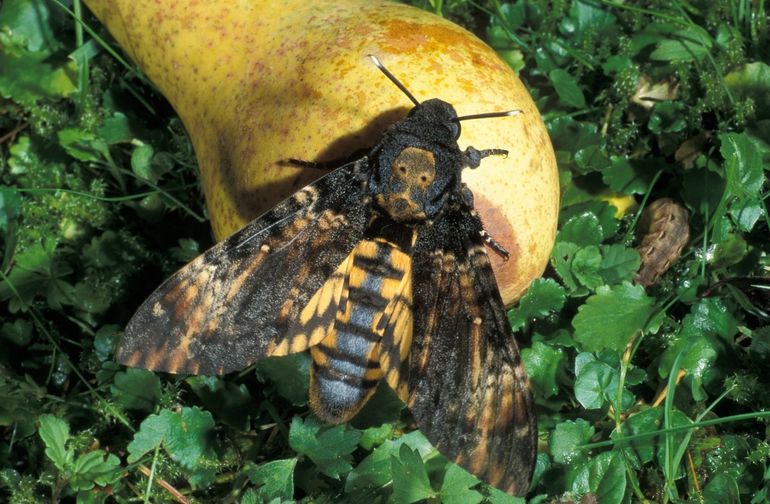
[222, 311]
[469, 391]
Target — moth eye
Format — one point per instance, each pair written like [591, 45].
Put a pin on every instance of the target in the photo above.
[402, 169]
[424, 178]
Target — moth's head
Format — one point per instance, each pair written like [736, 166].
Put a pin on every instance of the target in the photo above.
[417, 164]
[416, 167]
[410, 180]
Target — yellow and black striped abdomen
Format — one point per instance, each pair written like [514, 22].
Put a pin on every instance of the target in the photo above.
[348, 361]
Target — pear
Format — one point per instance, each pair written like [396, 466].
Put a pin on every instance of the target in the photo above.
[258, 82]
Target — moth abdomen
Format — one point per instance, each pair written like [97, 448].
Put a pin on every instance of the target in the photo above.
[347, 361]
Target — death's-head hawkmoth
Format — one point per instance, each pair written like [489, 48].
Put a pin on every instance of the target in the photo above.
[379, 268]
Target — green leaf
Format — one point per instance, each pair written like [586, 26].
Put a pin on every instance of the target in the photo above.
[604, 212]
[183, 435]
[567, 88]
[55, 433]
[562, 256]
[21, 402]
[591, 18]
[384, 407]
[229, 402]
[760, 343]
[187, 250]
[116, 129]
[250, 497]
[740, 458]
[19, 332]
[752, 80]
[84, 54]
[631, 176]
[10, 208]
[457, 487]
[745, 177]
[746, 213]
[570, 136]
[619, 263]
[95, 468]
[375, 436]
[604, 476]
[26, 24]
[710, 316]
[708, 319]
[31, 68]
[566, 440]
[37, 272]
[275, 478]
[543, 297]
[152, 432]
[289, 374]
[136, 389]
[410, 478]
[106, 339]
[375, 470]
[543, 363]
[667, 117]
[690, 44]
[729, 252]
[722, 488]
[83, 145]
[585, 266]
[499, 497]
[582, 230]
[141, 162]
[611, 317]
[511, 16]
[649, 420]
[329, 448]
[617, 63]
[593, 383]
[24, 157]
[591, 158]
[743, 163]
[702, 190]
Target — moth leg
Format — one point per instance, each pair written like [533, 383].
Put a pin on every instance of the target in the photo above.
[467, 196]
[494, 244]
[473, 156]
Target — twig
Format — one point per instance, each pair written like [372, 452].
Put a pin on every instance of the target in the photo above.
[176, 494]
[662, 395]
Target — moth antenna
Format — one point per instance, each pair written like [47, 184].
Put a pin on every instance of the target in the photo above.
[487, 115]
[393, 79]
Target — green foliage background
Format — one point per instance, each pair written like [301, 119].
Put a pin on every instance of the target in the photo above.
[99, 201]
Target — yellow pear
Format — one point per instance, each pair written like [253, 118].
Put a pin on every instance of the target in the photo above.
[258, 82]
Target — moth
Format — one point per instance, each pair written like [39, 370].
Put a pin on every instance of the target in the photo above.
[379, 269]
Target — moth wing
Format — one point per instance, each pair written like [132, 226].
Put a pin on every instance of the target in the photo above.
[468, 389]
[225, 309]
[317, 317]
[396, 326]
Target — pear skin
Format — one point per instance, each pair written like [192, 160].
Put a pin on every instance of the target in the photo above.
[258, 82]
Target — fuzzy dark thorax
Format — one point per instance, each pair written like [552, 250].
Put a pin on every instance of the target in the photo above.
[417, 165]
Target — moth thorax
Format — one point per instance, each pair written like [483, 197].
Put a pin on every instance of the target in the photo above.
[412, 173]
